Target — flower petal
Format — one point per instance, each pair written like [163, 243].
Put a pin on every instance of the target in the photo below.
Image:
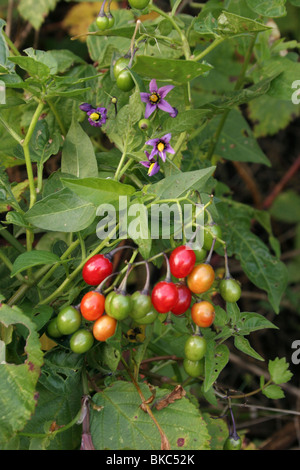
[146, 164]
[144, 97]
[154, 152]
[169, 149]
[164, 90]
[85, 107]
[94, 123]
[152, 142]
[165, 106]
[174, 113]
[155, 169]
[150, 108]
[166, 138]
[153, 86]
[163, 155]
[101, 110]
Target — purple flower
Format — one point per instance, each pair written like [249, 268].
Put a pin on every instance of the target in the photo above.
[161, 146]
[155, 99]
[174, 113]
[85, 107]
[152, 164]
[97, 117]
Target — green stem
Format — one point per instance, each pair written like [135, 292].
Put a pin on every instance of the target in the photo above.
[206, 51]
[184, 41]
[125, 167]
[24, 287]
[237, 87]
[9, 265]
[25, 145]
[44, 271]
[52, 434]
[197, 5]
[62, 258]
[12, 240]
[245, 395]
[11, 131]
[73, 275]
[11, 44]
[57, 117]
[122, 159]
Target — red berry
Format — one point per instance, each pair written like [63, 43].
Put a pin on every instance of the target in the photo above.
[182, 260]
[164, 296]
[96, 269]
[184, 299]
[92, 305]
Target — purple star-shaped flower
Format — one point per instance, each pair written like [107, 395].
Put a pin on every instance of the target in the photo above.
[161, 146]
[152, 164]
[96, 116]
[155, 99]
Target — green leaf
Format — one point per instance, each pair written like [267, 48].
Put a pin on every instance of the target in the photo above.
[243, 345]
[33, 258]
[31, 65]
[269, 114]
[60, 391]
[262, 268]
[268, 8]
[175, 186]
[128, 427]
[188, 119]
[236, 141]
[287, 72]
[98, 190]
[36, 12]
[286, 207]
[273, 391]
[171, 70]
[62, 211]
[18, 381]
[233, 312]
[249, 322]
[78, 155]
[227, 25]
[216, 358]
[279, 371]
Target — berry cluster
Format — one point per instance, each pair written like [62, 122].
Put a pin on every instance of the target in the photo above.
[189, 276]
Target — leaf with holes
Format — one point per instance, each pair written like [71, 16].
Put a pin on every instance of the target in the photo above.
[128, 427]
[216, 358]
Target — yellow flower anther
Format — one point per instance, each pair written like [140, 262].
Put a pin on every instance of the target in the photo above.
[160, 146]
[154, 97]
[94, 116]
[151, 168]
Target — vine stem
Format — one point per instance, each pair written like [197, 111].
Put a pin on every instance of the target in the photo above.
[10, 44]
[209, 48]
[122, 159]
[25, 145]
[164, 440]
[57, 117]
[76, 271]
[243, 395]
[237, 87]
